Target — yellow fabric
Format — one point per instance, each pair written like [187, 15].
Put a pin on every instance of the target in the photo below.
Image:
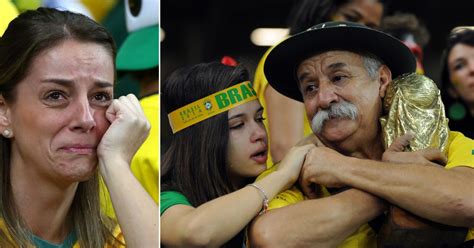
[99, 9]
[460, 150]
[460, 153]
[8, 12]
[364, 237]
[470, 234]
[117, 233]
[260, 84]
[284, 198]
[145, 163]
[211, 105]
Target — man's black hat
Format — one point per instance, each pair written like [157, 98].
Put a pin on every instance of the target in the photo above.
[283, 60]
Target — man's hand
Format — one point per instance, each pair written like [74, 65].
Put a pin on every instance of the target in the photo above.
[320, 167]
[395, 153]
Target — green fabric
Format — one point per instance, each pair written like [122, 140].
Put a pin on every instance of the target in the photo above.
[125, 85]
[115, 23]
[139, 51]
[171, 198]
[457, 111]
[68, 243]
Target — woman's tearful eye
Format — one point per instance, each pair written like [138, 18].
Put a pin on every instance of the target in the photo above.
[102, 98]
[55, 98]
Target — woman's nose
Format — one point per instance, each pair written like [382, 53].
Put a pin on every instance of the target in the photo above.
[258, 132]
[471, 66]
[84, 116]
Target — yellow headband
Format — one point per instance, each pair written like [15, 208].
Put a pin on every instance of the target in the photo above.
[212, 105]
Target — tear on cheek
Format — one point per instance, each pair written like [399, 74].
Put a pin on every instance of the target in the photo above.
[102, 127]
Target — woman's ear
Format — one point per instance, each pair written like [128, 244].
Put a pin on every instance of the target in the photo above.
[5, 121]
[385, 77]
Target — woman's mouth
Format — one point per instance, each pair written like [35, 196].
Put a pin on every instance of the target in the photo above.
[80, 149]
[260, 157]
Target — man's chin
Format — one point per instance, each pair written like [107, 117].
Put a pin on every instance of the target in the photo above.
[331, 136]
[337, 130]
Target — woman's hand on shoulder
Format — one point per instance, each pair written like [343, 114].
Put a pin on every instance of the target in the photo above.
[291, 164]
[128, 130]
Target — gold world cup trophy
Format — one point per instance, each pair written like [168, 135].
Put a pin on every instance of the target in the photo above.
[413, 104]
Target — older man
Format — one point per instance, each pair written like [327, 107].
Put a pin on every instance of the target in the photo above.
[341, 71]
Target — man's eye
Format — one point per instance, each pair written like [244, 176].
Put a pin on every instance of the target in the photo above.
[338, 78]
[310, 88]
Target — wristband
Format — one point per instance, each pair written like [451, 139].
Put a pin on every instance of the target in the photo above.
[265, 198]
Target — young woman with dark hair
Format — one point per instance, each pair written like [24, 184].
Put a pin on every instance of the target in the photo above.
[208, 193]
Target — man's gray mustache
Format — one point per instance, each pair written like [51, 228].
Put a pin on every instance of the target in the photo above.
[342, 109]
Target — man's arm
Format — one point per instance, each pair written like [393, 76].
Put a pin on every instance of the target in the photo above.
[444, 196]
[432, 192]
[324, 222]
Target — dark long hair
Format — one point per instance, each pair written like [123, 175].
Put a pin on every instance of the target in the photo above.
[195, 162]
[26, 37]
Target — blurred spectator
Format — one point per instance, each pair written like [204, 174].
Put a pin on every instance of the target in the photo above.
[409, 29]
[457, 79]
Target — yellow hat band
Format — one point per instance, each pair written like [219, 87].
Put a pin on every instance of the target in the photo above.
[211, 105]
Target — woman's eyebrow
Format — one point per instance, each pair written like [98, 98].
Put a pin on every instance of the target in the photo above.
[68, 83]
[235, 116]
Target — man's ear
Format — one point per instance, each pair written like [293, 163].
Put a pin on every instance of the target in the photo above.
[385, 78]
[5, 121]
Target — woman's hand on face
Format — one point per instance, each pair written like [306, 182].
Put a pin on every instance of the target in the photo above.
[128, 130]
[292, 162]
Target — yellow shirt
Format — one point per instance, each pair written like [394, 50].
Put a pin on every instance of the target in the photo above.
[260, 84]
[460, 153]
[8, 12]
[145, 163]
